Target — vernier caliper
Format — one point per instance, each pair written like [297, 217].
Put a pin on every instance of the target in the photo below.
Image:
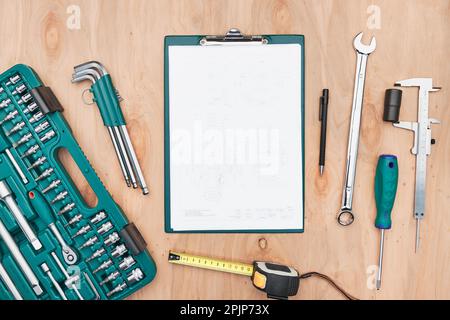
[422, 143]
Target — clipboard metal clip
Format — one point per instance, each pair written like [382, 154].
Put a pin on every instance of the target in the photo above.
[233, 37]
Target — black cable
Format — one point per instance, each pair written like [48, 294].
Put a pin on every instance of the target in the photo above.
[327, 278]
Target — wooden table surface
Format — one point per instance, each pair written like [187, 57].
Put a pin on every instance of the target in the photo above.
[127, 36]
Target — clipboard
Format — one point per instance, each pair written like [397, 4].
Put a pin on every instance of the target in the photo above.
[178, 106]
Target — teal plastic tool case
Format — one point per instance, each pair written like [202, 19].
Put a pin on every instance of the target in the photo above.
[52, 244]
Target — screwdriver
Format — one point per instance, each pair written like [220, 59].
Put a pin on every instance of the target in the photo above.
[386, 180]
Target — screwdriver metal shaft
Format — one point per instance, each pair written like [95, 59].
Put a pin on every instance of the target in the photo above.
[380, 260]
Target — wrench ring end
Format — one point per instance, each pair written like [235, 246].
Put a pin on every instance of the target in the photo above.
[345, 217]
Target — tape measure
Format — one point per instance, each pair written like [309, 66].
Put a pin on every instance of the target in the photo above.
[278, 281]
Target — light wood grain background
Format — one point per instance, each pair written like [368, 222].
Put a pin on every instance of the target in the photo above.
[127, 36]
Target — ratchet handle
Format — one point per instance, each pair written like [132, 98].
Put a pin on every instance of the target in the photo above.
[386, 181]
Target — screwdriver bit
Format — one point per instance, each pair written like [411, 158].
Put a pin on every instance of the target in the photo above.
[96, 254]
[89, 243]
[5, 103]
[30, 151]
[40, 161]
[60, 196]
[67, 208]
[44, 174]
[74, 220]
[52, 185]
[82, 231]
[105, 265]
[9, 116]
[117, 289]
[16, 128]
[111, 277]
[25, 138]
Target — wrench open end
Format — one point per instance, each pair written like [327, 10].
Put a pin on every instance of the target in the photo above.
[362, 48]
[345, 217]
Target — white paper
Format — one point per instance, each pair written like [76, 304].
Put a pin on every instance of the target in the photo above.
[235, 137]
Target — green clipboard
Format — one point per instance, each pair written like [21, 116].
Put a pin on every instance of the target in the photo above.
[232, 37]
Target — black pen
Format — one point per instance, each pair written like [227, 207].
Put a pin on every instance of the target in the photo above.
[323, 111]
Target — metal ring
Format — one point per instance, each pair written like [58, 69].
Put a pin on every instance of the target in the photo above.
[83, 97]
[346, 217]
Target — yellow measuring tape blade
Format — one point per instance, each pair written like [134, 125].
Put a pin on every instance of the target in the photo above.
[211, 264]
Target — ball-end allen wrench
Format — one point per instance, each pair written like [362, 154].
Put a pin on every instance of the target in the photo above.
[107, 99]
[346, 216]
[7, 198]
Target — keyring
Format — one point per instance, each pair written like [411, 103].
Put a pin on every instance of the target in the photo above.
[83, 97]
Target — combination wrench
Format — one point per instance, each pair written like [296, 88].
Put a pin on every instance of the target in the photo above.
[345, 216]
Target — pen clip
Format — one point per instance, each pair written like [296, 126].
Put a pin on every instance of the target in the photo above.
[321, 108]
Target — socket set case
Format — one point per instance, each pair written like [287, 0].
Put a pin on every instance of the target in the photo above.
[64, 248]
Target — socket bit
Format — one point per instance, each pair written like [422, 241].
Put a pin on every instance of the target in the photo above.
[67, 208]
[111, 277]
[19, 126]
[98, 217]
[44, 174]
[48, 136]
[96, 254]
[126, 263]
[52, 185]
[60, 196]
[36, 117]
[74, 220]
[111, 239]
[30, 151]
[5, 103]
[135, 276]
[119, 251]
[82, 231]
[30, 108]
[39, 162]
[20, 89]
[9, 116]
[117, 289]
[105, 228]
[24, 139]
[105, 265]
[13, 80]
[41, 127]
[89, 243]
[25, 98]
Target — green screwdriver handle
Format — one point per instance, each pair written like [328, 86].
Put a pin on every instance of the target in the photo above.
[41, 206]
[386, 180]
